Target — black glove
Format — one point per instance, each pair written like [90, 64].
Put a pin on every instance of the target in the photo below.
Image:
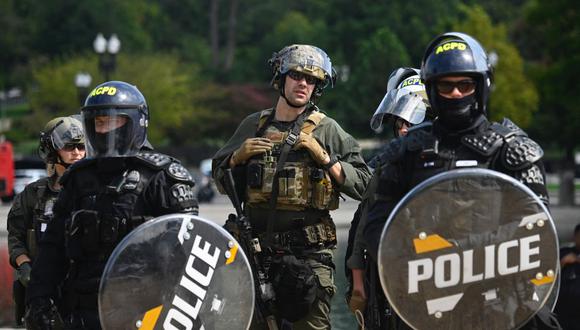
[232, 227]
[24, 273]
[41, 314]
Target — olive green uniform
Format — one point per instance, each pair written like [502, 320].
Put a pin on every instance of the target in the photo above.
[301, 197]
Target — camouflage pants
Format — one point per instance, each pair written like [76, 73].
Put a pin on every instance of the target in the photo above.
[319, 316]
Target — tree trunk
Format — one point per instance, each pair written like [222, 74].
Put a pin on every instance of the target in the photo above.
[231, 45]
[214, 32]
[566, 192]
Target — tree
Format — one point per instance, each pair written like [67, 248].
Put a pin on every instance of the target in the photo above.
[375, 59]
[171, 90]
[555, 26]
[514, 95]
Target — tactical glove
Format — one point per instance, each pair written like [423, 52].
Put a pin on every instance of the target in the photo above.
[233, 227]
[357, 302]
[316, 151]
[251, 147]
[24, 273]
[42, 314]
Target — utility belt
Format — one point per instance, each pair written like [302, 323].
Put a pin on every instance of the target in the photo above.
[85, 301]
[311, 229]
[312, 237]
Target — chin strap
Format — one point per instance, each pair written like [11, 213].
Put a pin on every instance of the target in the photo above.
[281, 89]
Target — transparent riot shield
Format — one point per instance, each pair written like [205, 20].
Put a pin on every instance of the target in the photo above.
[468, 249]
[177, 272]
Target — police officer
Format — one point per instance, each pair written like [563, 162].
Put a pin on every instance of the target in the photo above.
[569, 294]
[322, 160]
[404, 105]
[62, 142]
[457, 77]
[104, 197]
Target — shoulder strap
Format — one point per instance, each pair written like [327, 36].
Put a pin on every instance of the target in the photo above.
[312, 121]
[266, 117]
[288, 144]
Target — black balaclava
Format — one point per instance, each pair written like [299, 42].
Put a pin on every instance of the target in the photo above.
[121, 144]
[457, 114]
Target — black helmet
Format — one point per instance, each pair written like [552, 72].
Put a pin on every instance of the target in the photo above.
[115, 117]
[56, 134]
[308, 59]
[456, 53]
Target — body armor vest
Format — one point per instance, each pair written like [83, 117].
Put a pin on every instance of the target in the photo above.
[42, 215]
[502, 147]
[302, 183]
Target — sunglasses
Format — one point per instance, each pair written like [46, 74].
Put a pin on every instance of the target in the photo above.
[463, 86]
[295, 75]
[73, 146]
[399, 122]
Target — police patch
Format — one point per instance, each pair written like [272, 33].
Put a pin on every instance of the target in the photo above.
[452, 45]
[410, 82]
[178, 172]
[109, 90]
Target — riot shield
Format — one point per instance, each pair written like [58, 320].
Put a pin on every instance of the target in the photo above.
[468, 249]
[177, 272]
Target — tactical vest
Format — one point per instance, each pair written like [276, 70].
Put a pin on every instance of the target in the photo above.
[108, 209]
[302, 183]
[41, 215]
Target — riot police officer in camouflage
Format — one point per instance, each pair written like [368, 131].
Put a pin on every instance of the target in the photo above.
[115, 189]
[458, 78]
[290, 164]
[62, 142]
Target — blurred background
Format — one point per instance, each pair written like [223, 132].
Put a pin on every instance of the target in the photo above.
[201, 65]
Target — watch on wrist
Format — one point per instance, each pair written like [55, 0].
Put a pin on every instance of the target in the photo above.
[333, 160]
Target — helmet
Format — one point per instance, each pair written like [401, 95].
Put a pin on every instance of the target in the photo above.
[115, 117]
[56, 134]
[456, 53]
[405, 98]
[308, 59]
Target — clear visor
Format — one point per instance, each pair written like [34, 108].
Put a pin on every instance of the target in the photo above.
[408, 106]
[109, 133]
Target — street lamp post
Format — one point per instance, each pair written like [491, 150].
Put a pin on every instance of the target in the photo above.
[107, 50]
[83, 82]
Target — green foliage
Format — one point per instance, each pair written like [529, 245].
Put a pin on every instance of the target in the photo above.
[168, 85]
[45, 44]
[514, 95]
[556, 29]
[376, 57]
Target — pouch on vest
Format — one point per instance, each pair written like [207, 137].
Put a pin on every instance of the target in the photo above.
[84, 232]
[295, 286]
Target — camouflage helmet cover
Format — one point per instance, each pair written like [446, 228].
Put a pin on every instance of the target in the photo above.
[56, 134]
[308, 59]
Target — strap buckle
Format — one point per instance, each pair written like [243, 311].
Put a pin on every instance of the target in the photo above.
[291, 138]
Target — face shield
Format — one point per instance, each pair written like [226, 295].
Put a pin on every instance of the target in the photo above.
[111, 132]
[408, 102]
